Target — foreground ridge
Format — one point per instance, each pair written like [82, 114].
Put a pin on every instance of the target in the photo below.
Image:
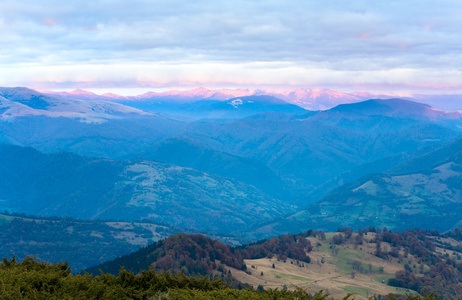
[31, 279]
[370, 262]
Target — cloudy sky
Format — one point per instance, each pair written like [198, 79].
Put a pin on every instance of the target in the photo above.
[387, 46]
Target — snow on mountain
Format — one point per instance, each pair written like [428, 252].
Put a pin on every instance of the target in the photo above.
[236, 102]
[82, 92]
[112, 96]
[196, 94]
[75, 94]
[317, 99]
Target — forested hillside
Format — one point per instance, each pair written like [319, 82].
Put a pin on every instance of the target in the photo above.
[82, 243]
[67, 184]
[200, 255]
[423, 192]
[371, 261]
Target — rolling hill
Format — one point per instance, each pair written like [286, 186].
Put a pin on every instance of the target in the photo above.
[396, 108]
[82, 243]
[424, 192]
[186, 153]
[368, 263]
[66, 184]
[18, 102]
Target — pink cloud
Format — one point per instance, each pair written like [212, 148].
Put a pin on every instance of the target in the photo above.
[428, 27]
[50, 21]
[364, 35]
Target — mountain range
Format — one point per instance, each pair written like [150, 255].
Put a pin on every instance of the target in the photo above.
[311, 99]
[65, 184]
[240, 163]
[233, 108]
[240, 166]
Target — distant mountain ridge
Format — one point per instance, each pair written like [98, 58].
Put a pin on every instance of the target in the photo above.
[20, 102]
[398, 108]
[311, 99]
[239, 107]
[172, 95]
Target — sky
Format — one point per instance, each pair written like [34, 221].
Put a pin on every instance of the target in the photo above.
[412, 46]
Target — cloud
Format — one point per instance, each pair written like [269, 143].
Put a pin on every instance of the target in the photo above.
[225, 74]
[176, 42]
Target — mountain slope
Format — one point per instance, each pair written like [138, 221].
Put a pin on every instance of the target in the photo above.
[185, 153]
[315, 99]
[391, 108]
[300, 157]
[180, 96]
[425, 192]
[195, 254]
[194, 199]
[308, 152]
[66, 184]
[370, 262]
[82, 243]
[18, 102]
[113, 138]
[242, 107]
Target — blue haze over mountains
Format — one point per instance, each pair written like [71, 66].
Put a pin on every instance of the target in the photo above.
[253, 166]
